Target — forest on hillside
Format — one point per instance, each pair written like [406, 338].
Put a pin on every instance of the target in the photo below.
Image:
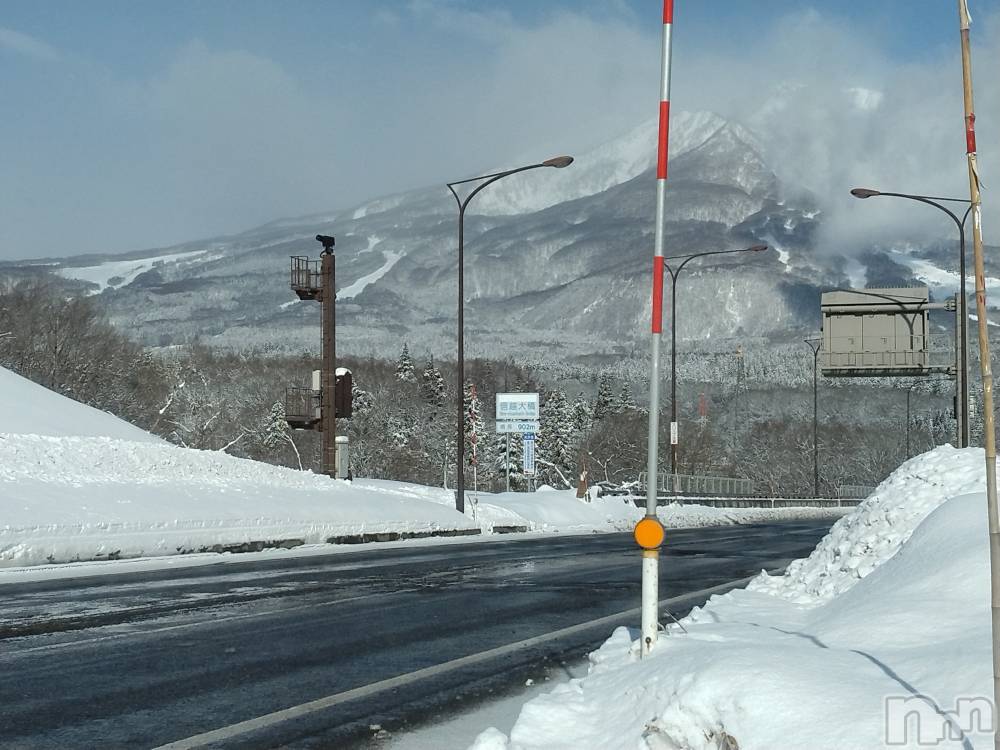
[746, 415]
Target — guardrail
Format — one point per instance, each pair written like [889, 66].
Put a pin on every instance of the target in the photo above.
[690, 485]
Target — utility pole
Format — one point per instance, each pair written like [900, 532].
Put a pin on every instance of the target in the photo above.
[316, 408]
[815, 345]
[329, 300]
[989, 437]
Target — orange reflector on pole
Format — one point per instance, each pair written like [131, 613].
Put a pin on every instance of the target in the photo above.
[649, 533]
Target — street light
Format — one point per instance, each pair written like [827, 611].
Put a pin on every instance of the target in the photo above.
[673, 336]
[487, 179]
[815, 345]
[962, 377]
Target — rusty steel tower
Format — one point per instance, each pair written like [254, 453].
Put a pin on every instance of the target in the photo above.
[317, 408]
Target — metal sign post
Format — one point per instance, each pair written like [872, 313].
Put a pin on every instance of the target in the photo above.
[528, 454]
[517, 413]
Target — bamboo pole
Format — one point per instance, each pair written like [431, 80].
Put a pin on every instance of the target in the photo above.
[989, 436]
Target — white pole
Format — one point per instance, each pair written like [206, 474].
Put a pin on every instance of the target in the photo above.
[650, 558]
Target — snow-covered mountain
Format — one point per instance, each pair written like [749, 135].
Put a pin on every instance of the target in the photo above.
[557, 262]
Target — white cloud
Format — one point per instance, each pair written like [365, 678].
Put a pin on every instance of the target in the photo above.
[28, 46]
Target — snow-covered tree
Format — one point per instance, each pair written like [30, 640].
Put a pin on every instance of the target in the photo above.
[432, 384]
[604, 403]
[474, 424]
[555, 441]
[625, 401]
[275, 430]
[404, 367]
[581, 415]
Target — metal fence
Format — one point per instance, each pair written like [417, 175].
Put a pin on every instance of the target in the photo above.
[690, 484]
[855, 491]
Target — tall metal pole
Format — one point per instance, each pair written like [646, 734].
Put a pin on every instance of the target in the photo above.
[961, 419]
[908, 392]
[685, 259]
[487, 179]
[989, 437]
[815, 345]
[328, 271]
[962, 341]
[460, 401]
[675, 428]
[651, 557]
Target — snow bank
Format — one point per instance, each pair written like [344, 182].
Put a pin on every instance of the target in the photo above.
[560, 510]
[73, 498]
[28, 408]
[866, 538]
[893, 606]
[79, 484]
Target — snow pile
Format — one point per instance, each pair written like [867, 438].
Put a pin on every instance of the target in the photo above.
[906, 632]
[28, 408]
[79, 484]
[866, 538]
[549, 510]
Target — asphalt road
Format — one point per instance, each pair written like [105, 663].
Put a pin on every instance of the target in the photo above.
[146, 659]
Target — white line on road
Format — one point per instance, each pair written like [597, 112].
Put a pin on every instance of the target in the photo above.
[304, 709]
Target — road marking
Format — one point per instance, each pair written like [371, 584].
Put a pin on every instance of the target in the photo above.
[294, 712]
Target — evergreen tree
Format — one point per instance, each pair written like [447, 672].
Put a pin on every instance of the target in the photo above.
[432, 384]
[581, 415]
[604, 403]
[404, 367]
[474, 424]
[555, 441]
[625, 401]
[275, 430]
[500, 460]
[361, 400]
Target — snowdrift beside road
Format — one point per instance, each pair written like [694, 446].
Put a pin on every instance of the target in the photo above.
[79, 484]
[893, 605]
[27, 408]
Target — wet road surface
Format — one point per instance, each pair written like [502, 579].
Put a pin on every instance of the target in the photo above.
[140, 660]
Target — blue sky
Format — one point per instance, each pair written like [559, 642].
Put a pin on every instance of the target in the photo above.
[138, 124]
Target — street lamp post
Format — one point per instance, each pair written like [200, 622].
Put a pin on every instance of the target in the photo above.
[909, 391]
[487, 179]
[962, 373]
[685, 259]
[815, 345]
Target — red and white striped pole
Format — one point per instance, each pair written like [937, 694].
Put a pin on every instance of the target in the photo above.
[651, 557]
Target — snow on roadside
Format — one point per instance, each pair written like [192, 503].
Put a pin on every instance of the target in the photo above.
[559, 511]
[28, 408]
[863, 540]
[893, 606]
[79, 484]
